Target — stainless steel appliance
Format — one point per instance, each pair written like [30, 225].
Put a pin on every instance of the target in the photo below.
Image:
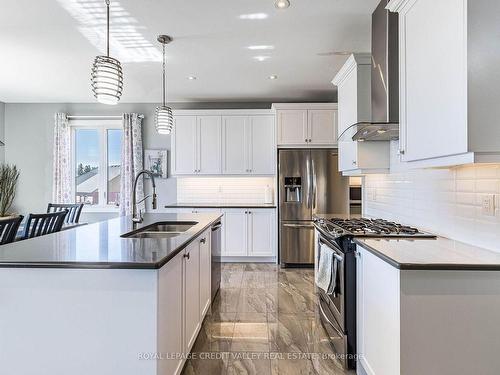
[309, 183]
[384, 124]
[216, 245]
[338, 310]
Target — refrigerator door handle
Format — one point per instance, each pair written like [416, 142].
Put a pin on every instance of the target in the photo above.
[314, 187]
[308, 171]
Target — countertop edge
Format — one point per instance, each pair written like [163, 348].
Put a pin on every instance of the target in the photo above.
[427, 266]
[108, 265]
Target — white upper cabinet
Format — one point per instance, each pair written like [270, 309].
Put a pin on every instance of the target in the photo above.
[262, 145]
[234, 149]
[322, 126]
[449, 84]
[185, 143]
[233, 142]
[292, 127]
[353, 83]
[209, 144]
[306, 124]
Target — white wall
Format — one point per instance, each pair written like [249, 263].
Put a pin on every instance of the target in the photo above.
[444, 201]
[29, 139]
[2, 131]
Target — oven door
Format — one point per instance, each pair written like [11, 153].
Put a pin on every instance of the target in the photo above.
[335, 301]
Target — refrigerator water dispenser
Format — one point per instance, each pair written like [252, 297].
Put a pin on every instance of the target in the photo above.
[293, 188]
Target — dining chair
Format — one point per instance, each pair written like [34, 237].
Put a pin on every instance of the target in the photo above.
[41, 224]
[8, 228]
[74, 211]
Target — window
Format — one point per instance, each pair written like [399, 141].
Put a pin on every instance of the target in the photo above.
[96, 150]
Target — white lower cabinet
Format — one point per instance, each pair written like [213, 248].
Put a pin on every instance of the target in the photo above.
[249, 232]
[184, 297]
[235, 232]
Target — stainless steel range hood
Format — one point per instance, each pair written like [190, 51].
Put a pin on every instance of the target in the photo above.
[384, 81]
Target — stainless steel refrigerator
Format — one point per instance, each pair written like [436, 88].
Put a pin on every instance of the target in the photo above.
[309, 183]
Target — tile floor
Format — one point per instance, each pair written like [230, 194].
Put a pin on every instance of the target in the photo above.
[264, 321]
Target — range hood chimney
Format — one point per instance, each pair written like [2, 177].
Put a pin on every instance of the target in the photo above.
[384, 81]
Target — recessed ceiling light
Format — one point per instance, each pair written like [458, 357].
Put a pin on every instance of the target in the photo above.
[260, 47]
[254, 16]
[192, 78]
[261, 58]
[282, 4]
[273, 77]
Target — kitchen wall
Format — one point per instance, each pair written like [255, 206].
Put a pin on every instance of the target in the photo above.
[224, 189]
[444, 201]
[29, 139]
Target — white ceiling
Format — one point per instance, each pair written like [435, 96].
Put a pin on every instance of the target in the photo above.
[47, 48]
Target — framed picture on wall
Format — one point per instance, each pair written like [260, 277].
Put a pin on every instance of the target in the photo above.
[156, 162]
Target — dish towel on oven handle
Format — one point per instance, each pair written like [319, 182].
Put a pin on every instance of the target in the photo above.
[326, 275]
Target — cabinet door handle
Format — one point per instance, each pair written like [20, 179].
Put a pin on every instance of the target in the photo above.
[354, 162]
[203, 240]
[401, 152]
[187, 255]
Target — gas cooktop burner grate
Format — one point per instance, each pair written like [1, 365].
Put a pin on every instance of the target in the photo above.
[371, 227]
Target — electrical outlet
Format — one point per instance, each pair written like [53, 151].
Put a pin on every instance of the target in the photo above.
[488, 204]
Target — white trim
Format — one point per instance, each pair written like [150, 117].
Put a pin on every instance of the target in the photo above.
[352, 62]
[396, 5]
[222, 112]
[304, 106]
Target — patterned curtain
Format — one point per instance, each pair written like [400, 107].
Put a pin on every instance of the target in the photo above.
[61, 187]
[132, 162]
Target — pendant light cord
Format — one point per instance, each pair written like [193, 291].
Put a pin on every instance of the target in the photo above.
[107, 30]
[164, 77]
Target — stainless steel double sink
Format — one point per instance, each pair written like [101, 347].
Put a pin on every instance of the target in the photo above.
[164, 229]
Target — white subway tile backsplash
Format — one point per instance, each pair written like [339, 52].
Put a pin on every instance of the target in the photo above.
[238, 190]
[444, 201]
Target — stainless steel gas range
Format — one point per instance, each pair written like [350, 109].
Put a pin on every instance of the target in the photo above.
[338, 308]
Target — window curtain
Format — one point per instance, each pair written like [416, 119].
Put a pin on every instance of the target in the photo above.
[61, 186]
[131, 162]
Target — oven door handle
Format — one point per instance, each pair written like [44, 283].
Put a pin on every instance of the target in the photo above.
[335, 249]
[298, 226]
[329, 321]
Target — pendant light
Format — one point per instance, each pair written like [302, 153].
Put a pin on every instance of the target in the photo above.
[164, 120]
[107, 75]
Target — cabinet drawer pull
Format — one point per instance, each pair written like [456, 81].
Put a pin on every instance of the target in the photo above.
[187, 255]
[203, 240]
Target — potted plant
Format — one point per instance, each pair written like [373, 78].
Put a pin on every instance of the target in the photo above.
[8, 180]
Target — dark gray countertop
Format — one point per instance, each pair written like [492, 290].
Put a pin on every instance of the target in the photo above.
[99, 245]
[220, 205]
[431, 254]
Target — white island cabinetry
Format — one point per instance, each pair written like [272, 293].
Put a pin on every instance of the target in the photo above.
[426, 321]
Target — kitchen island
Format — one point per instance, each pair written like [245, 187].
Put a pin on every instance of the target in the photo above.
[89, 301]
[427, 306]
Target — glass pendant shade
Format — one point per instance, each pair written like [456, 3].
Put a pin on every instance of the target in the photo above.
[107, 80]
[164, 120]
[107, 74]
